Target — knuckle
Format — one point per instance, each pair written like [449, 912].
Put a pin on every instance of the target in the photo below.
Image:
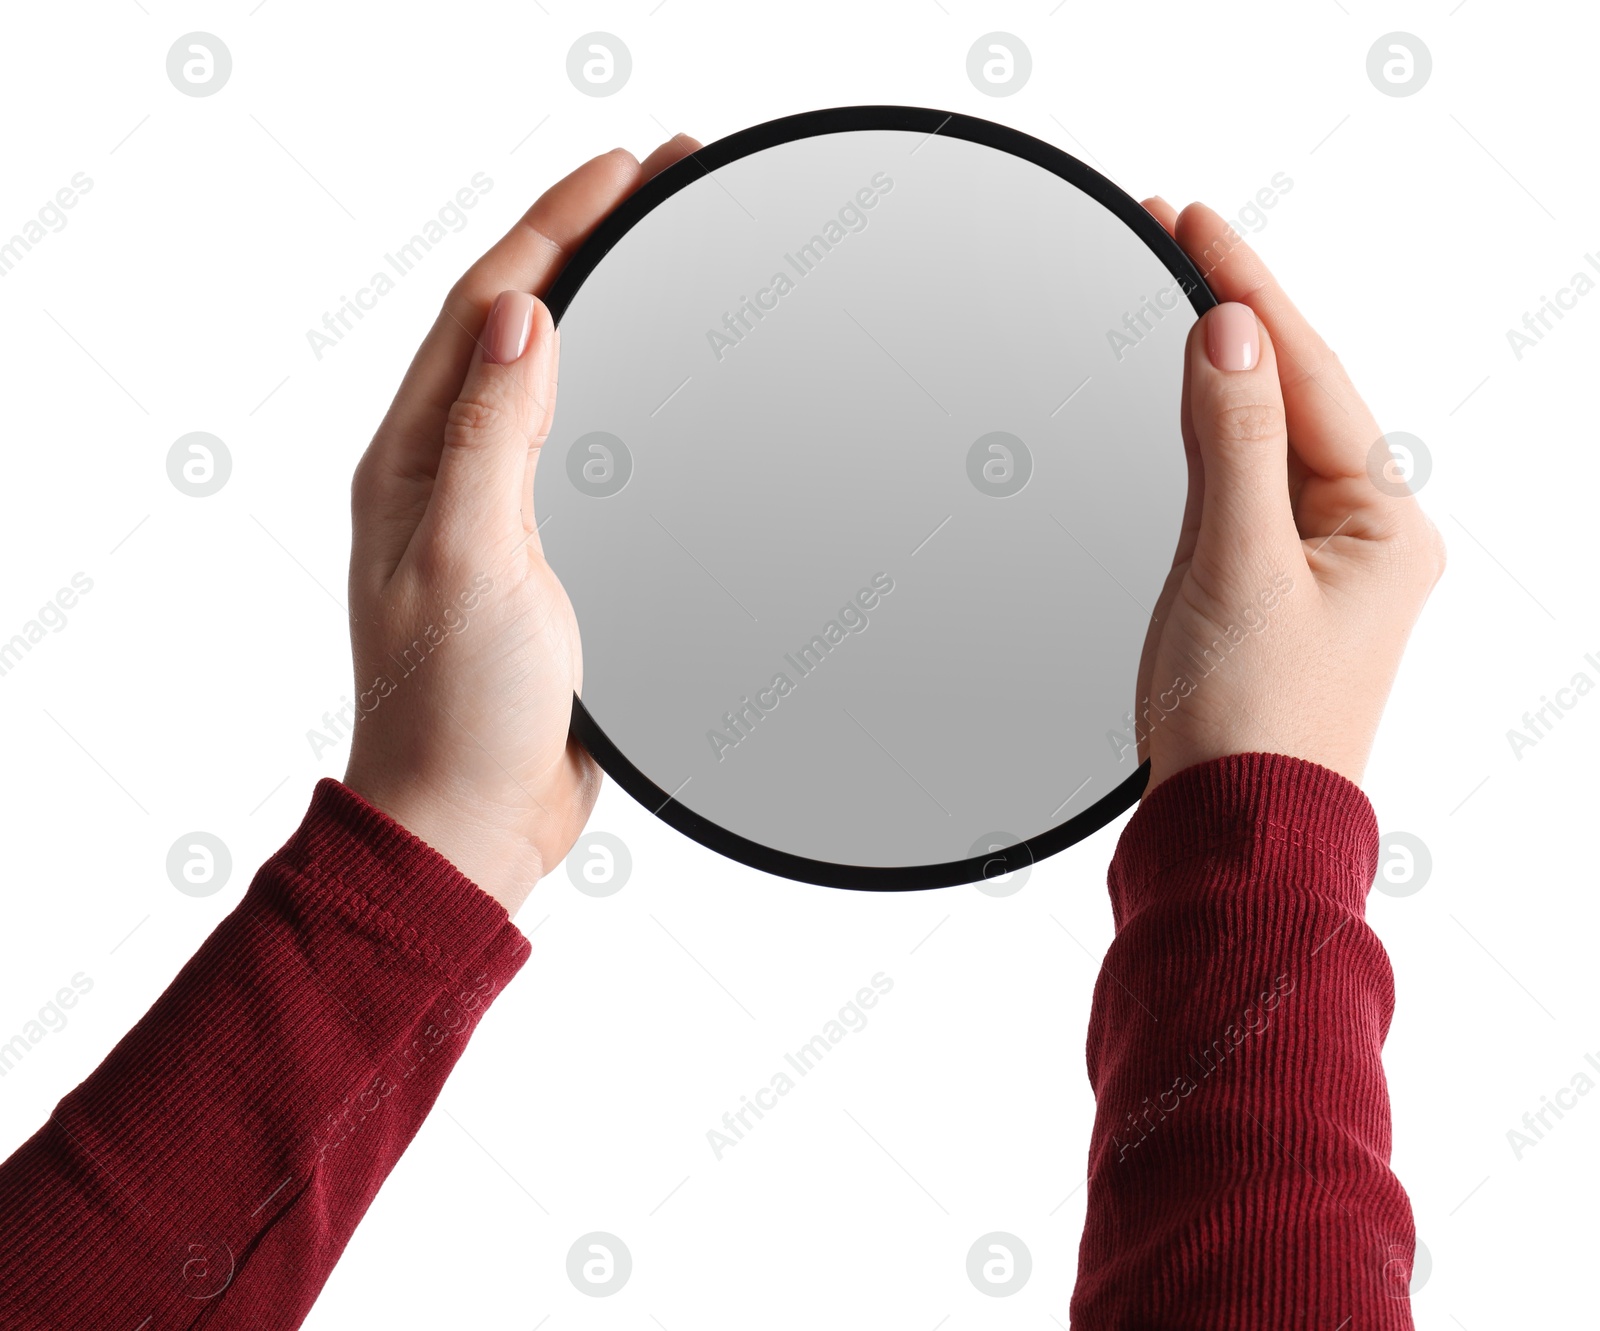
[1431, 554]
[1417, 552]
[437, 558]
[1321, 368]
[1248, 422]
[466, 306]
[1315, 362]
[472, 423]
[363, 483]
[465, 296]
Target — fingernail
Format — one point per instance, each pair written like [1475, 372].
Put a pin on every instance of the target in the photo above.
[1158, 199]
[505, 336]
[1233, 340]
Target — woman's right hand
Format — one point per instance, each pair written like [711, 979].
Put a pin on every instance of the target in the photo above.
[1297, 578]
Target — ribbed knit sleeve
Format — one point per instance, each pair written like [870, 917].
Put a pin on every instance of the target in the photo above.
[211, 1170]
[1239, 1169]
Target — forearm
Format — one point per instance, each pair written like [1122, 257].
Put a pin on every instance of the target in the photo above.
[212, 1169]
[1239, 1172]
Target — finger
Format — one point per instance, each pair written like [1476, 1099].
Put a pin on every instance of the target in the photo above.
[1163, 212]
[1189, 528]
[504, 407]
[530, 522]
[1194, 496]
[674, 149]
[395, 476]
[1188, 536]
[530, 255]
[1331, 426]
[1247, 531]
[527, 258]
[1331, 429]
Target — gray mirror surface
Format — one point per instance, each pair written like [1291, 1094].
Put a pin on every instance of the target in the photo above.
[864, 478]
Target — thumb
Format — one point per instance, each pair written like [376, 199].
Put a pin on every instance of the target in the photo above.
[1247, 527]
[503, 410]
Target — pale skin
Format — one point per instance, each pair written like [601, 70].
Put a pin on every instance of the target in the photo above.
[1278, 487]
[469, 750]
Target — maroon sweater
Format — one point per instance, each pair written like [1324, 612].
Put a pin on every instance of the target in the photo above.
[210, 1172]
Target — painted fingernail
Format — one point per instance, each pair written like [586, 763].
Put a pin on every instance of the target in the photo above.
[1233, 340]
[505, 336]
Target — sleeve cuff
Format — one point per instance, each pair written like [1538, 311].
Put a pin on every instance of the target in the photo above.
[397, 885]
[1286, 821]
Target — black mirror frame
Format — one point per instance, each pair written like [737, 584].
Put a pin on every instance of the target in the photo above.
[587, 731]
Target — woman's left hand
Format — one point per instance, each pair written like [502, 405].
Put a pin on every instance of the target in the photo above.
[466, 650]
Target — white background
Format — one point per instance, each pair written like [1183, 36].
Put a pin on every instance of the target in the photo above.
[179, 694]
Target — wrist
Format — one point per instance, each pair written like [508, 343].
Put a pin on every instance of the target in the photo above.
[487, 848]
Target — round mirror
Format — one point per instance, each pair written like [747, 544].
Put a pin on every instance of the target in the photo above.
[865, 476]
